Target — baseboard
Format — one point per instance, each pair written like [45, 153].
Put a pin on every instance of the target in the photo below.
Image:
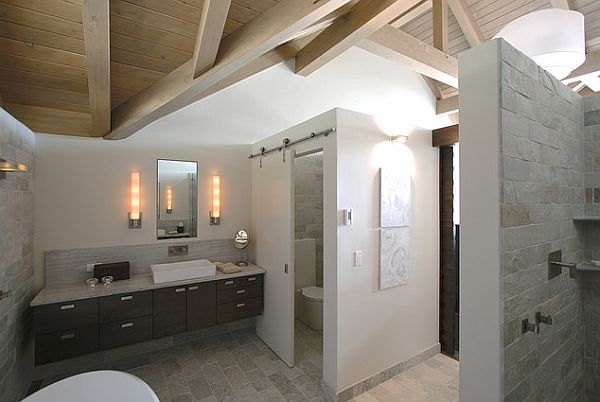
[371, 382]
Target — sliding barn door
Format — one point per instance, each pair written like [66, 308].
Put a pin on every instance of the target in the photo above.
[274, 233]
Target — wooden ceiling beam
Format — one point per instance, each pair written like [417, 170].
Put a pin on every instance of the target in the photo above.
[210, 32]
[433, 85]
[415, 11]
[178, 88]
[96, 30]
[366, 17]
[447, 106]
[406, 50]
[440, 25]
[467, 22]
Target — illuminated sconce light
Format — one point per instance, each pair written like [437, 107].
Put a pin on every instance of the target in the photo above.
[6, 166]
[135, 216]
[215, 213]
[169, 200]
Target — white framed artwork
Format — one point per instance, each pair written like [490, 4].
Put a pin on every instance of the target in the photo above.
[395, 198]
[394, 247]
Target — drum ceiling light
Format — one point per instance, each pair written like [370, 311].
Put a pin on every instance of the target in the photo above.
[553, 38]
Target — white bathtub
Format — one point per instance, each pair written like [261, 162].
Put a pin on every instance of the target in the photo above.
[96, 386]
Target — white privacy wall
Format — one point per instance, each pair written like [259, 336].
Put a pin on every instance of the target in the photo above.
[379, 329]
[82, 191]
[480, 288]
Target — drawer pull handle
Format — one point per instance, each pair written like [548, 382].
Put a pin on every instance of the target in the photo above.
[127, 325]
[252, 279]
[241, 291]
[179, 290]
[66, 337]
[241, 305]
[67, 307]
[193, 288]
[229, 282]
[126, 298]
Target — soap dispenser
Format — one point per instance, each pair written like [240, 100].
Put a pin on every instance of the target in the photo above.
[180, 227]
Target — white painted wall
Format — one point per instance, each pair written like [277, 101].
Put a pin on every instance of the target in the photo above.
[379, 329]
[368, 330]
[82, 191]
[481, 316]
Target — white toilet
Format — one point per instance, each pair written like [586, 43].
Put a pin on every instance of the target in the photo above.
[96, 386]
[312, 299]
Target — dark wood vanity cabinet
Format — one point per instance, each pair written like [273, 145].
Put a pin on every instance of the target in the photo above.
[125, 319]
[65, 330]
[201, 307]
[170, 315]
[239, 298]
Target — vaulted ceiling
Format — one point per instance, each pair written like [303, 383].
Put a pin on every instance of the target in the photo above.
[108, 68]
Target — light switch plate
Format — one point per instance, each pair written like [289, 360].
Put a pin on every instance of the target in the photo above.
[358, 258]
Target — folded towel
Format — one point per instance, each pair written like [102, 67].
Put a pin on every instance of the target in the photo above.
[229, 268]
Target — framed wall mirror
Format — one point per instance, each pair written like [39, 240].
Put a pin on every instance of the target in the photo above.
[177, 199]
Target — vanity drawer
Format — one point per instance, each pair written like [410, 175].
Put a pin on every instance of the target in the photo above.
[240, 281]
[125, 332]
[251, 280]
[65, 344]
[124, 306]
[63, 316]
[239, 310]
[228, 283]
[240, 293]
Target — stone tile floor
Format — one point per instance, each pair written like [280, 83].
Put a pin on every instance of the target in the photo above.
[239, 367]
[435, 380]
[236, 367]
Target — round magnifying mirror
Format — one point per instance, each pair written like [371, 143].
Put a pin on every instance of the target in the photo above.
[241, 241]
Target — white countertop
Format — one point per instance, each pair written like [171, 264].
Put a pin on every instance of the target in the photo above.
[76, 291]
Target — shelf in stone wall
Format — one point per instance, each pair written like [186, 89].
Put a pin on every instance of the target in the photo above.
[586, 219]
[588, 267]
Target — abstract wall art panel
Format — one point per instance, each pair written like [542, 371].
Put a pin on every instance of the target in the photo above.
[396, 198]
[394, 249]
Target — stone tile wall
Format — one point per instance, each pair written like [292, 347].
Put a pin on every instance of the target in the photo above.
[308, 188]
[542, 189]
[591, 280]
[17, 144]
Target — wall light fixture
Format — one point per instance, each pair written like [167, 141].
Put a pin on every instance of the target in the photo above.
[215, 213]
[169, 200]
[6, 166]
[135, 215]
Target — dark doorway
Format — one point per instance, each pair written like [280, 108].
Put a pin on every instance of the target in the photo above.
[449, 247]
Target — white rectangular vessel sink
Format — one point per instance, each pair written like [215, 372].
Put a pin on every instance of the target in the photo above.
[181, 271]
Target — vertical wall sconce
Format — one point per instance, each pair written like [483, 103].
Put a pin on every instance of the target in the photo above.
[215, 213]
[135, 216]
[11, 167]
[169, 200]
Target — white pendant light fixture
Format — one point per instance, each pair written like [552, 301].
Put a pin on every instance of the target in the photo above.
[553, 38]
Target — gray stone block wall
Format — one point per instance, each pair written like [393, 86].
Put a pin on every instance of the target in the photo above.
[308, 193]
[17, 143]
[591, 280]
[542, 179]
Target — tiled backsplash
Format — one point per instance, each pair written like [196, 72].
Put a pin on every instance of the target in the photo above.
[65, 266]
